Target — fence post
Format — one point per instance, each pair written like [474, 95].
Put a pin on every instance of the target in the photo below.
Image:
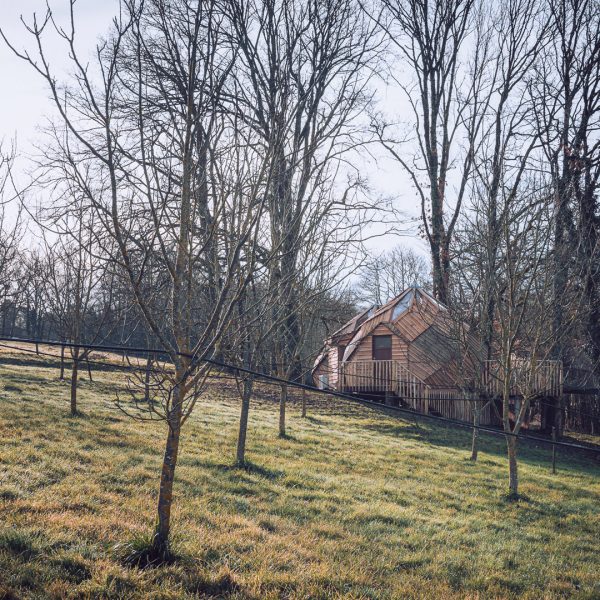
[303, 403]
[554, 450]
[62, 362]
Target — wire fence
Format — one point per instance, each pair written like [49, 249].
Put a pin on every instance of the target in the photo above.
[229, 368]
[127, 351]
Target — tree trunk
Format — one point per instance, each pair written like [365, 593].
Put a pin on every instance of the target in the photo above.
[62, 363]
[513, 477]
[160, 543]
[147, 379]
[282, 403]
[475, 438]
[559, 416]
[74, 375]
[245, 411]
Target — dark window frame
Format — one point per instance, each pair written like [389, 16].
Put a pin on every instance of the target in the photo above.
[381, 352]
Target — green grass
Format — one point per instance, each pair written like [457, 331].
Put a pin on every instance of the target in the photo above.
[353, 504]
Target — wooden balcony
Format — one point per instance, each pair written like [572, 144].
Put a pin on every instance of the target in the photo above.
[527, 378]
[393, 378]
[389, 377]
[381, 376]
[370, 375]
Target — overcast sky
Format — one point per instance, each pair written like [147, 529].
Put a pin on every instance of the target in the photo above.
[24, 101]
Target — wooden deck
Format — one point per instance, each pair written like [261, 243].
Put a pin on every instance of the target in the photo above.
[393, 379]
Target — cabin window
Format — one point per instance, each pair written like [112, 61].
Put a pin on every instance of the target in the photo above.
[382, 347]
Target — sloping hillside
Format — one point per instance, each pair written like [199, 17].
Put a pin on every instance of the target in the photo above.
[354, 504]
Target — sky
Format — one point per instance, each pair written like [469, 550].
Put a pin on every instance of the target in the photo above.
[24, 101]
[25, 104]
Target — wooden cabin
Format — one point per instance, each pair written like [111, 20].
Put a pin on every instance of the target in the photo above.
[410, 353]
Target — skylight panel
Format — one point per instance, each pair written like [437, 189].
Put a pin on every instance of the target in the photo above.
[402, 305]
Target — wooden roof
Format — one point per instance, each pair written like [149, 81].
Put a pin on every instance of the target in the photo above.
[353, 324]
[407, 315]
[344, 333]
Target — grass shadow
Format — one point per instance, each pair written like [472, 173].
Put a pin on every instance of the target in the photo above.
[288, 437]
[531, 452]
[41, 362]
[260, 470]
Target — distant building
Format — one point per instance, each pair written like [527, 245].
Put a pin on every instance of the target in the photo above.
[410, 352]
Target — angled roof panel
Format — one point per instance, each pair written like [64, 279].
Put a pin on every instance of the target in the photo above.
[413, 305]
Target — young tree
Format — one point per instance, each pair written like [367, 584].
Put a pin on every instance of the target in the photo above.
[246, 344]
[523, 370]
[78, 292]
[147, 145]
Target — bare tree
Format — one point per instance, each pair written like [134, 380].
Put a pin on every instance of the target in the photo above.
[303, 85]
[523, 369]
[567, 103]
[11, 235]
[387, 274]
[149, 148]
[431, 40]
[510, 36]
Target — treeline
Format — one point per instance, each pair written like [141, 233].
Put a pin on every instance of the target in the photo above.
[203, 190]
[50, 295]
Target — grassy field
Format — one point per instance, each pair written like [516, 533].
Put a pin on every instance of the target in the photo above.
[354, 504]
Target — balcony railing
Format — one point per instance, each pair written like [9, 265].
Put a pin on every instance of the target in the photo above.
[525, 377]
[393, 379]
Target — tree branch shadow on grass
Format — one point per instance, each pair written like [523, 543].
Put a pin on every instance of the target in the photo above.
[249, 467]
[315, 420]
[256, 469]
[445, 436]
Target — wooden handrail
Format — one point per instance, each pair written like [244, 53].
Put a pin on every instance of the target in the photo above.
[547, 377]
[395, 377]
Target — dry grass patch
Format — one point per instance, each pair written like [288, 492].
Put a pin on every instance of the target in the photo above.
[354, 504]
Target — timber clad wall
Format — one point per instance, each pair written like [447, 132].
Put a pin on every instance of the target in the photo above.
[364, 351]
[333, 370]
